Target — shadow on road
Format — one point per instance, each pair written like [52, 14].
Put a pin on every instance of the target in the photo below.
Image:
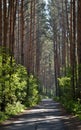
[48, 115]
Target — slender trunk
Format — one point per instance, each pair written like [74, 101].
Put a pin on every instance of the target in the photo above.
[0, 22]
[79, 47]
[22, 33]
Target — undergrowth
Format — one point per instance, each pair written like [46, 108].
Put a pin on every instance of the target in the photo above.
[71, 106]
[11, 109]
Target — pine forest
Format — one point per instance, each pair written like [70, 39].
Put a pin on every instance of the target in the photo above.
[40, 54]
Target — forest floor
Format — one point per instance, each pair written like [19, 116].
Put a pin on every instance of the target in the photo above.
[48, 115]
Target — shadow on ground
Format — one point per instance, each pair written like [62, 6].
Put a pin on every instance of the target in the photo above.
[48, 115]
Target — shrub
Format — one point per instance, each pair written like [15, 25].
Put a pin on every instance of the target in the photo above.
[13, 109]
[3, 116]
[65, 87]
[13, 80]
[19, 82]
[14, 86]
[33, 95]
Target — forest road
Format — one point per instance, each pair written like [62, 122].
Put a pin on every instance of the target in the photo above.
[48, 115]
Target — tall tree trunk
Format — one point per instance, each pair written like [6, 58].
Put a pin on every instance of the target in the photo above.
[22, 33]
[0, 22]
[79, 47]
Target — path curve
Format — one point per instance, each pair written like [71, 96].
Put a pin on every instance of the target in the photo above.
[48, 115]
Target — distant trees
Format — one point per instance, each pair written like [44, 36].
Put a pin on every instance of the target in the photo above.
[64, 19]
[58, 23]
[43, 38]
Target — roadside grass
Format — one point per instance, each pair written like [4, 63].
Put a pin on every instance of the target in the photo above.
[14, 109]
[11, 110]
[71, 106]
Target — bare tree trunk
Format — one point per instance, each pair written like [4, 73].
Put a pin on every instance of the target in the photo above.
[22, 33]
[0, 22]
[79, 47]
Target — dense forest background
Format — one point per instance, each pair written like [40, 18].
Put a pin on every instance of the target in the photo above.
[40, 54]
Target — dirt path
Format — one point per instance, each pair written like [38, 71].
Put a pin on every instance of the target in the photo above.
[48, 115]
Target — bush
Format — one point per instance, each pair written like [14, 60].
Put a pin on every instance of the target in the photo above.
[3, 116]
[33, 94]
[65, 87]
[13, 80]
[19, 82]
[13, 109]
[14, 86]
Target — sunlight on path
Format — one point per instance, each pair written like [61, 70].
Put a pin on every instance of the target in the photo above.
[46, 116]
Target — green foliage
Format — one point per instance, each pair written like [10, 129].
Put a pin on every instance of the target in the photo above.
[56, 98]
[64, 81]
[5, 75]
[73, 106]
[33, 95]
[3, 116]
[13, 82]
[68, 104]
[13, 86]
[13, 109]
[19, 82]
[77, 108]
[65, 87]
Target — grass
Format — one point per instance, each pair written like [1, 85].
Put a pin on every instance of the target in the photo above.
[71, 106]
[11, 110]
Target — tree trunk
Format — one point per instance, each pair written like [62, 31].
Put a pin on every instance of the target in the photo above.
[79, 47]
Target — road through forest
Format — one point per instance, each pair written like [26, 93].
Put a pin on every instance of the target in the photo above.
[48, 115]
